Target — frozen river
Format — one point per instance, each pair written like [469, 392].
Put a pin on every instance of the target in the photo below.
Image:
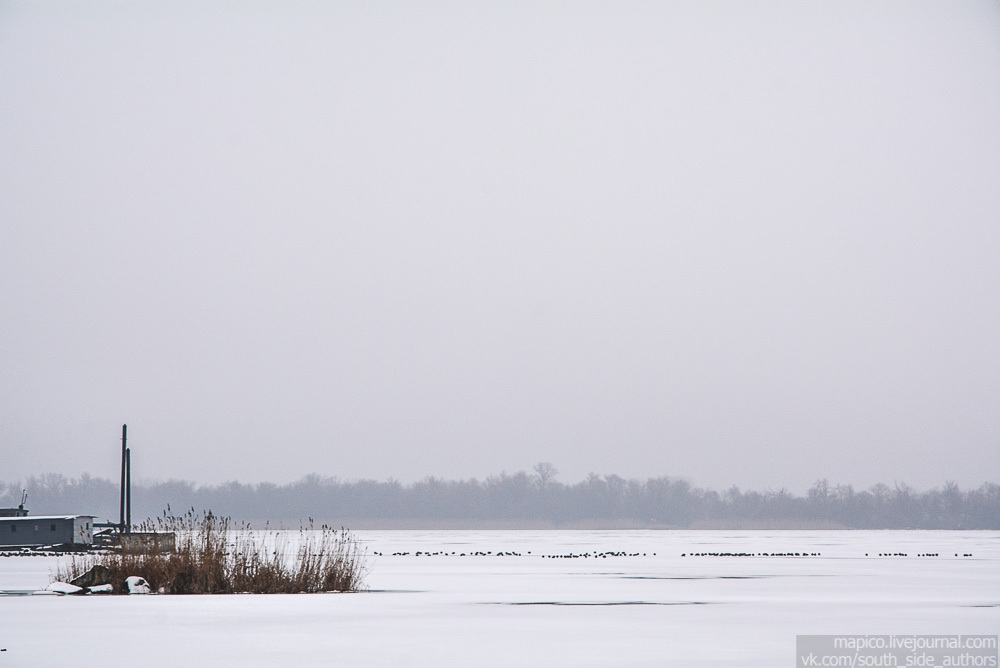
[644, 604]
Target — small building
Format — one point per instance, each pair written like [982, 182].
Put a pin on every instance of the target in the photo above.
[13, 512]
[38, 530]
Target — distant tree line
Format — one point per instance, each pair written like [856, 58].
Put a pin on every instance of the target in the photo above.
[535, 499]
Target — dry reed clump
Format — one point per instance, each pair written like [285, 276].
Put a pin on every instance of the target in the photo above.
[210, 558]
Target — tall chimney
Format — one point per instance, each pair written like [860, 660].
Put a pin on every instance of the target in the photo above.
[121, 508]
[128, 490]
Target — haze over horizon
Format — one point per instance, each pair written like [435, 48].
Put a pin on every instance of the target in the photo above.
[752, 245]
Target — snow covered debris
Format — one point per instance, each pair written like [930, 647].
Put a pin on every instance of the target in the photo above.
[99, 574]
[65, 588]
[136, 585]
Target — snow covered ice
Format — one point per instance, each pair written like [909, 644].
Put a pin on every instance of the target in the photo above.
[543, 607]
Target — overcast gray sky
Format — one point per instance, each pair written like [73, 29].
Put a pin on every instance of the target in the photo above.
[741, 243]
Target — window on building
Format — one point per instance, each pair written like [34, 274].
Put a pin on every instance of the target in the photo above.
[52, 526]
[13, 528]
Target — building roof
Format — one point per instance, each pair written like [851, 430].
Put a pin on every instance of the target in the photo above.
[28, 518]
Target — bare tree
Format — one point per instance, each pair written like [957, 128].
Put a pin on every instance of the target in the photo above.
[545, 472]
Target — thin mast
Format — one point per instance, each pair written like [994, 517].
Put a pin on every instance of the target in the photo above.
[121, 507]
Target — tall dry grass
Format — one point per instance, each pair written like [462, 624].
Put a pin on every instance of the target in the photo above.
[212, 558]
